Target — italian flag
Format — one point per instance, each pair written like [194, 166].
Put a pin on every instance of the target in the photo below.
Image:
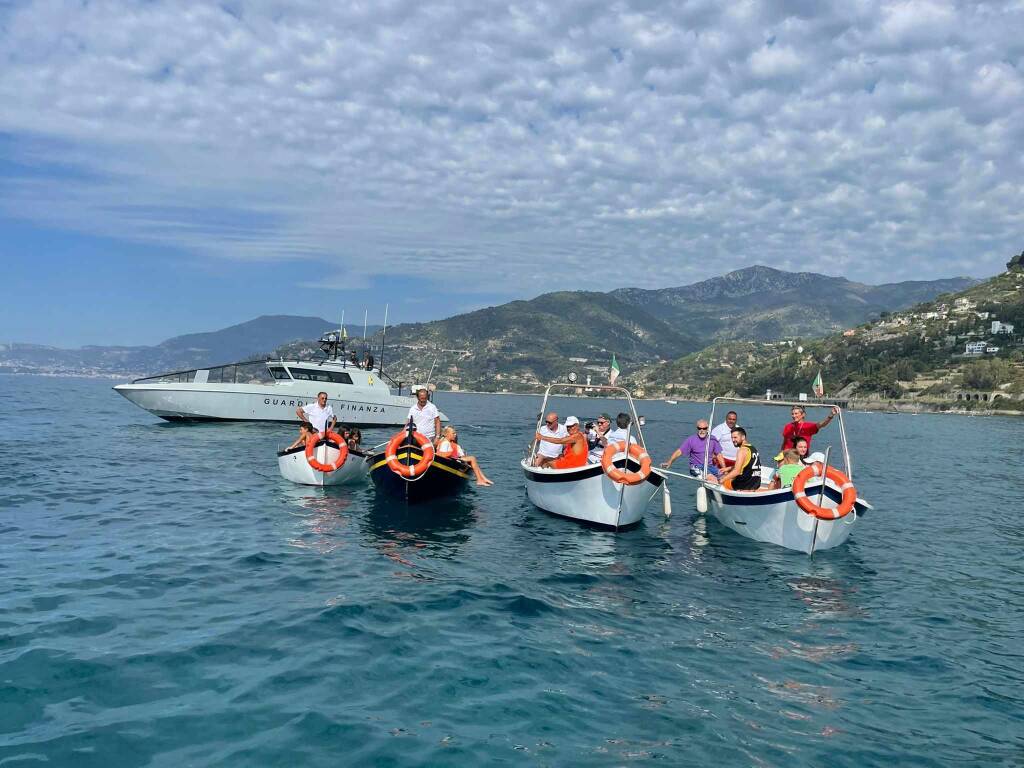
[817, 386]
[613, 372]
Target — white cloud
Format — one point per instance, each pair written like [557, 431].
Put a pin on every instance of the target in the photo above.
[516, 145]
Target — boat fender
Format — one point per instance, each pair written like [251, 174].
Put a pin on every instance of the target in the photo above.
[311, 443]
[620, 475]
[409, 470]
[822, 513]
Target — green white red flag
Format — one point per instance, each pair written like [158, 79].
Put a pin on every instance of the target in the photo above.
[613, 372]
[817, 386]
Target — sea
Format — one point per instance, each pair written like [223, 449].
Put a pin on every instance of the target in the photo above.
[167, 600]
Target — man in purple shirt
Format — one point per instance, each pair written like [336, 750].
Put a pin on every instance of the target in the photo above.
[694, 447]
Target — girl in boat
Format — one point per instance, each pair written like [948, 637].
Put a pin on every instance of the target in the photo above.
[449, 447]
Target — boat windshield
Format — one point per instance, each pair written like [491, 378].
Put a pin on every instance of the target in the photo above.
[320, 374]
[248, 372]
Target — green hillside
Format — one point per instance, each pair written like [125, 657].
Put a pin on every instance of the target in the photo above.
[764, 304]
[920, 354]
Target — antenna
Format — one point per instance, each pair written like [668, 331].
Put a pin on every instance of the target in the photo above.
[364, 327]
[383, 333]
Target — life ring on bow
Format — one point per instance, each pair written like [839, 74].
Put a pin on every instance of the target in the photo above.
[314, 440]
[409, 470]
[622, 475]
[837, 477]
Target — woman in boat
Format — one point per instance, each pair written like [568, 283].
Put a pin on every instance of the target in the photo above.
[745, 474]
[574, 454]
[355, 438]
[449, 448]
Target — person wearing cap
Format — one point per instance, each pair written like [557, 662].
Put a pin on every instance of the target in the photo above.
[425, 416]
[574, 453]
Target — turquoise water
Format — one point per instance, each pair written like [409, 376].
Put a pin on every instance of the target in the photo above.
[168, 600]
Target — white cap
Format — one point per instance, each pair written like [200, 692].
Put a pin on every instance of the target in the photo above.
[816, 457]
[571, 420]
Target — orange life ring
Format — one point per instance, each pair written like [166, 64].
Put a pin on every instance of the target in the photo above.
[311, 443]
[409, 470]
[837, 477]
[621, 475]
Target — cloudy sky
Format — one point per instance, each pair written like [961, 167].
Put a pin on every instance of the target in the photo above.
[173, 166]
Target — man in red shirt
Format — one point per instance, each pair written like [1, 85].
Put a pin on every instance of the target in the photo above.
[798, 428]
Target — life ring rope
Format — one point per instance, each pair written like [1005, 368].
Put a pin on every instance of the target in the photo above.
[803, 501]
[624, 475]
[314, 440]
[409, 470]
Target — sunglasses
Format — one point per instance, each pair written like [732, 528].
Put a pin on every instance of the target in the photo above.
[702, 429]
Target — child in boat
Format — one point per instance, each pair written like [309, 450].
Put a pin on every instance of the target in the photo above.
[449, 448]
[305, 431]
[790, 467]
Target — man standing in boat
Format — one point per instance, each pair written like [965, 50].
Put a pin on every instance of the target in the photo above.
[319, 414]
[723, 434]
[425, 416]
[799, 427]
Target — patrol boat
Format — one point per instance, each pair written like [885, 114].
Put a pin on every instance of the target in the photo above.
[271, 390]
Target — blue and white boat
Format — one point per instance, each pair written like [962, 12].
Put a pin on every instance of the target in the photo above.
[776, 516]
[589, 493]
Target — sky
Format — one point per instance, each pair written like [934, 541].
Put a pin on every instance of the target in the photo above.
[171, 167]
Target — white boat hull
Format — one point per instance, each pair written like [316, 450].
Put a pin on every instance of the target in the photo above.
[364, 407]
[588, 494]
[295, 467]
[775, 518]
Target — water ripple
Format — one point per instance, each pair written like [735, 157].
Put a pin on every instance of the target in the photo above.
[169, 600]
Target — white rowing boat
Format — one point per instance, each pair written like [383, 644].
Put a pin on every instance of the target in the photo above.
[589, 493]
[781, 516]
[295, 466]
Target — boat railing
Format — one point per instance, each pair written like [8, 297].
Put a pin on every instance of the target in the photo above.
[608, 388]
[807, 405]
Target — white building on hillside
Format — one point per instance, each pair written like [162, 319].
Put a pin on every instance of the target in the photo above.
[998, 327]
[974, 348]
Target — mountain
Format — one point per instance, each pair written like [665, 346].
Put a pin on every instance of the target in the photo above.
[763, 304]
[519, 345]
[929, 355]
[254, 338]
[524, 343]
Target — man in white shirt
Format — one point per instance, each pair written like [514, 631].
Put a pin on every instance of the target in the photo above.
[318, 414]
[548, 452]
[723, 434]
[618, 434]
[425, 416]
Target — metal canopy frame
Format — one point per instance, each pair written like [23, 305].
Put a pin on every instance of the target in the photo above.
[781, 403]
[620, 391]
